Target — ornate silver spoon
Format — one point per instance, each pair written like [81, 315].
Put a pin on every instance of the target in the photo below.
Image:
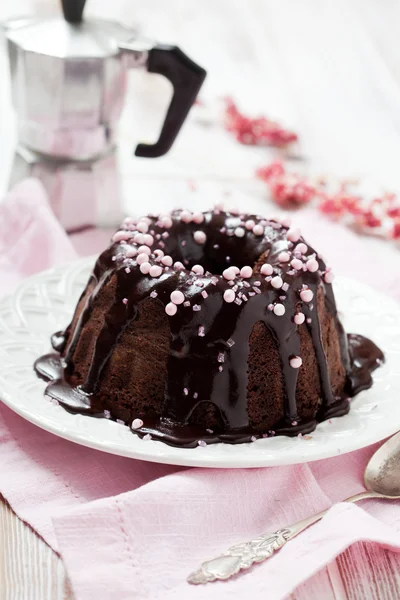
[382, 480]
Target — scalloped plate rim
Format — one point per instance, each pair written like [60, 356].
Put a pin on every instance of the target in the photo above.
[261, 453]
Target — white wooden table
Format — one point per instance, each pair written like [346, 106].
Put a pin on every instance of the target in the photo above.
[329, 70]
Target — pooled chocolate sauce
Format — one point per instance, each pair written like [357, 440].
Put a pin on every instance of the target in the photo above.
[365, 358]
[213, 365]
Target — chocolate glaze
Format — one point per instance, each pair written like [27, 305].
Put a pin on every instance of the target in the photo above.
[192, 356]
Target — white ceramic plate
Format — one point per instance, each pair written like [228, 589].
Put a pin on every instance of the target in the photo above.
[44, 304]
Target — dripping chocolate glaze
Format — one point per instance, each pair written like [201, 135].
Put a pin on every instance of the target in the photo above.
[192, 356]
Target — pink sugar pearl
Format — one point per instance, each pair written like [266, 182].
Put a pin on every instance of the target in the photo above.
[246, 272]
[199, 237]
[312, 265]
[302, 248]
[145, 268]
[239, 232]
[198, 218]
[266, 269]
[121, 235]
[177, 297]
[139, 238]
[166, 222]
[229, 296]
[178, 265]
[297, 264]
[148, 239]
[155, 271]
[306, 295]
[142, 258]
[159, 252]
[142, 227]
[249, 224]
[284, 257]
[198, 269]
[137, 423]
[171, 309]
[279, 309]
[293, 235]
[258, 229]
[296, 362]
[328, 277]
[186, 216]
[236, 270]
[233, 210]
[167, 260]
[277, 282]
[229, 274]
[286, 221]
[131, 252]
[144, 250]
[299, 318]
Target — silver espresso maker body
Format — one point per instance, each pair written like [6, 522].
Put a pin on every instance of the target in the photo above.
[68, 77]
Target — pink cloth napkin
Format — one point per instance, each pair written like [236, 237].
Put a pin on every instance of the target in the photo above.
[130, 529]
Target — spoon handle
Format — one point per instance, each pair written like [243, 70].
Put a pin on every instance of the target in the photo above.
[243, 556]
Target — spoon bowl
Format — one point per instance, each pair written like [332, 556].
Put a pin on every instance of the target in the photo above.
[382, 474]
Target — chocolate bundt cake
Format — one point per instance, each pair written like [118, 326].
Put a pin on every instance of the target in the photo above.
[208, 327]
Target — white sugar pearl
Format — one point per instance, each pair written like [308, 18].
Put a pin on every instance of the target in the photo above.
[177, 297]
[302, 248]
[258, 230]
[121, 235]
[266, 269]
[145, 268]
[312, 265]
[249, 224]
[142, 258]
[229, 296]
[137, 424]
[293, 235]
[239, 232]
[229, 274]
[277, 282]
[167, 261]
[199, 237]
[279, 309]
[148, 239]
[142, 227]
[306, 295]
[299, 318]
[198, 218]
[284, 257]
[186, 216]
[296, 362]
[246, 272]
[286, 221]
[297, 264]
[155, 271]
[139, 238]
[144, 250]
[198, 269]
[166, 222]
[171, 309]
